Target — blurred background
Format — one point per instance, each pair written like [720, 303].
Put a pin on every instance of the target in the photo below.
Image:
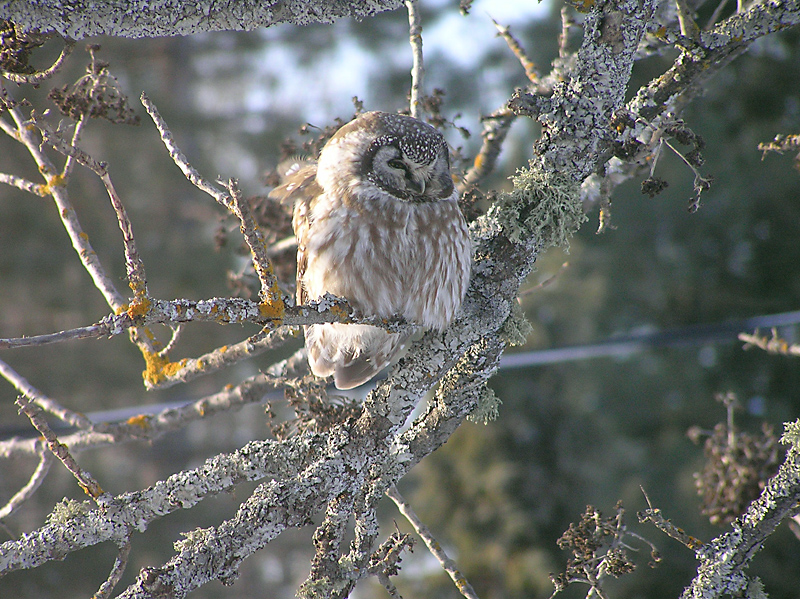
[569, 434]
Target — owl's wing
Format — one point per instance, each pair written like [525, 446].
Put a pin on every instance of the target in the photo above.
[299, 188]
[297, 180]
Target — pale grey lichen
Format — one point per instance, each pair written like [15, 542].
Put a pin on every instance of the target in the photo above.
[198, 536]
[544, 208]
[517, 328]
[487, 408]
[68, 509]
[791, 437]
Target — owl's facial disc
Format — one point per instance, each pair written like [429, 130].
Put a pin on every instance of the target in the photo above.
[402, 176]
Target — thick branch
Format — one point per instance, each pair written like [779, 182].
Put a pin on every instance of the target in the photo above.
[75, 526]
[145, 18]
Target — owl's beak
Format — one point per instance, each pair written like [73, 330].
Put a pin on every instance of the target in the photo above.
[415, 182]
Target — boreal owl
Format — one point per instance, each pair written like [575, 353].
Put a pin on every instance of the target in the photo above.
[377, 222]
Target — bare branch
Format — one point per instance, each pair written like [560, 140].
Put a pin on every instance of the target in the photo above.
[270, 293]
[417, 68]
[85, 480]
[78, 526]
[773, 345]
[55, 185]
[723, 560]
[449, 566]
[145, 18]
[143, 426]
[495, 130]
[45, 461]
[530, 69]
[38, 77]
[89, 332]
[178, 157]
[189, 369]
[47, 404]
[25, 185]
[655, 516]
[117, 570]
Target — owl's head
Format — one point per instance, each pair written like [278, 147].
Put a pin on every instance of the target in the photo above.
[399, 154]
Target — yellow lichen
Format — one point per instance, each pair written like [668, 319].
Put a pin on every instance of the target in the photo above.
[272, 310]
[142, 421]
[138, 307]
[159, 368]
[53, 181]
[340, 312]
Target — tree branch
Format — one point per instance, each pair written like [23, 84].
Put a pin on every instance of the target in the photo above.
[145, 18]
[723, 560]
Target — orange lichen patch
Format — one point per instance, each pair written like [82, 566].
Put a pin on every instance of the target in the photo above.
[139, 289]
[138, 307]
[661, 32]
[93, 491]
[583, 5]
[272, 310]
[53, 182]
[340, 312]
[142, 421]
[223, 349]
[159, 368]
[84, 236]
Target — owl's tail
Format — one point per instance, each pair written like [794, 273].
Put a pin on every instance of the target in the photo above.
[353, 354]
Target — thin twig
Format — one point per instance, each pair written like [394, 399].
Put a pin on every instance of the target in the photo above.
[687, 23]
[56, 141]
[773, 345]
[49, 405]
[563, 38]
[137, 279]
[715, 15]
[38, 476]
[144, 425]
[495, 130]
[85, 480]
[55, 185]
[76, 137]
[270, 293]
[178, 157]
[117, 570]
[530, 68]
[655, 516]
[417, 67]
[449, 566]
[546, 283]
[39, 76]
[25, 185]
[90, 332]
[191, 368]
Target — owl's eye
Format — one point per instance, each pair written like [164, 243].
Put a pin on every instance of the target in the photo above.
[397, 163]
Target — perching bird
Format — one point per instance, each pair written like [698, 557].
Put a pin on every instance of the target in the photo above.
[377, 222]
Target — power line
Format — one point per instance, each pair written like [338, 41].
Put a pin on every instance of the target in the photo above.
[626, 345]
